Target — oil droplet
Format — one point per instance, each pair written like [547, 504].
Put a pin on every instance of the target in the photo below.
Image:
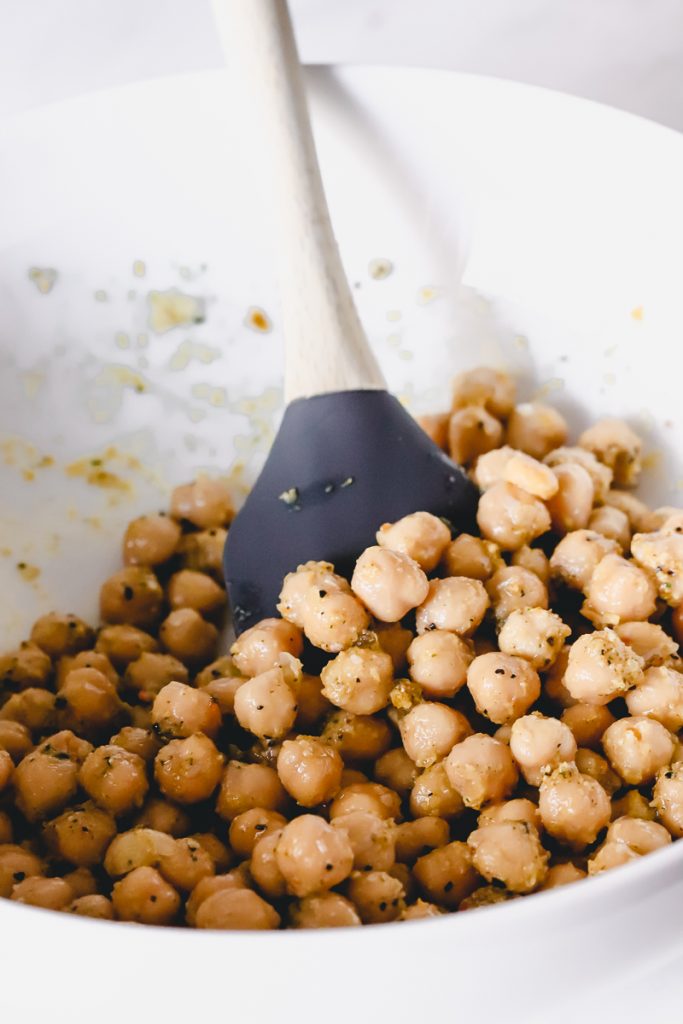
[139, 268]
[380, 268]
[43, 278]
[28, 572]
[427, 294]
[258, 320]
[637, 313]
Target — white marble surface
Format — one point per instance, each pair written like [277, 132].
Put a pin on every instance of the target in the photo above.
[628, 53]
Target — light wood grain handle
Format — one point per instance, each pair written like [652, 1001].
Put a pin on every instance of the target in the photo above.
[325, 345]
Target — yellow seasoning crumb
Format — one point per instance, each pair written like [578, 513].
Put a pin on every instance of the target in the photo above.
[173, 308]
[427, 294]
[380, 268]
[258, 320]
[28, 572]
[92, 469]
[637, 313]
[28, 474]
[139, 268]
[122, 340]
[43, 278]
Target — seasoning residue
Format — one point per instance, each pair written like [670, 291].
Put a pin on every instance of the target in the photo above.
[380, 268]
[189, 350]
[258, 320]
[173, 308]
[44, 278]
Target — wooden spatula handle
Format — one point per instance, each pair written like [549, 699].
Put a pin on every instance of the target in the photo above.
[326, 348]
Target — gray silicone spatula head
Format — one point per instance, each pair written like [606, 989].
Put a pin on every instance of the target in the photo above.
[347, 457]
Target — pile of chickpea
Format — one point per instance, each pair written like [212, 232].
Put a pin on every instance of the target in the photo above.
[465, 743]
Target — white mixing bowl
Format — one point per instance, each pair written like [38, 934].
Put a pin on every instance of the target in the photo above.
[523, 228]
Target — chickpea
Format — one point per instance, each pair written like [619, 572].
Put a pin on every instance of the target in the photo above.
[515, 587]
[189, 637]
[662, 554]
[49, 893]
[310, 770]
[419, 910]
[430, 730]
[601, 667]
[203, 551]
[98, 907]
[85, 659]
[484, 386]
[613, 524]
[481, 770]
[435, 426]
[28, 666]
[413, 839]
[15, 739]
[562, 874]
[162, 816]
[590, 763]
[91, 698]
[139, 847]
[357, 737]
[6, 770]
[372, 840]
[115, 779]
[434, 796]
[236, 909]
[244, 786]
[420, 536]
[530, 475]
[191, 589]
[534, 634]
[150, 540]
[333, 619]
[456, 605]
[633, 805]
[16, 864]
[259, 648]
[47, 779]
[439, 661]
[601, 475]
[222, 691]
[503, 687]
[132, 596]
[312, 855]
[667, 800]
[377, 896]
[446, 875]
[626, 840]
[489, 468]
[659, 696]
[146, 897]
[251, 826]
[266, 705]
[81, 835]
[471, 432]
[639, 515]
[188, 770]
[137, 741]
[187, 864]
[180, 710]
[574, 808]
[677, 623]
[613, 442]
[533, 559]
[536, 429]
[539, 744]
[6, 829]
[123, 644]
[264, 869]
[472, 557]
[396, 771]
[649, 641]
[358, 680]
[297, 586]
[509, 852]
[328, 910]
[151, 672]
[570, 507]
[207, 887]
[33, 708]
[511, 517]
[587, 723]
[485, 896]
[637, 748]
[518, 810]
[82, 882]
[205, 503]
[61, 634]
[578, 555]
[389, 583]
[619, 591]
[369, 797]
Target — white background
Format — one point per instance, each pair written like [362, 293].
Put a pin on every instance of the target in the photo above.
[625, 52]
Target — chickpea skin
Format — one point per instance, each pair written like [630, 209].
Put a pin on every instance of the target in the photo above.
[61, 634]
[244, 786]
[132, 596]
[188, 770]
[637, 748]
[574, 808]
[377, 896]
[511, 517]
[515, 587]
[389, 583]
[189, 637]
[613, 442]
[434, 796]
[205, 503]
[447, 876]
[191, 589]
[601, 667]
[509, 852]
[115, 779]
[372, 840]
[530, 475]
[310, 770]
[536, 429]
[667, 799]
[328, 910]
[258, 649]
[150, 540]
[484, 386]
[358, 680]
[534, 634]
[420, 536]
[16, 864]
[481, 770]
[430, 730]
[659, 696]
[471, 432]
[538, 744]
[81, 835]
[455, 604]
[146, 897]
[503, 686]
[439, 661]
[570, 507]
[312, 855]
[587, 723]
